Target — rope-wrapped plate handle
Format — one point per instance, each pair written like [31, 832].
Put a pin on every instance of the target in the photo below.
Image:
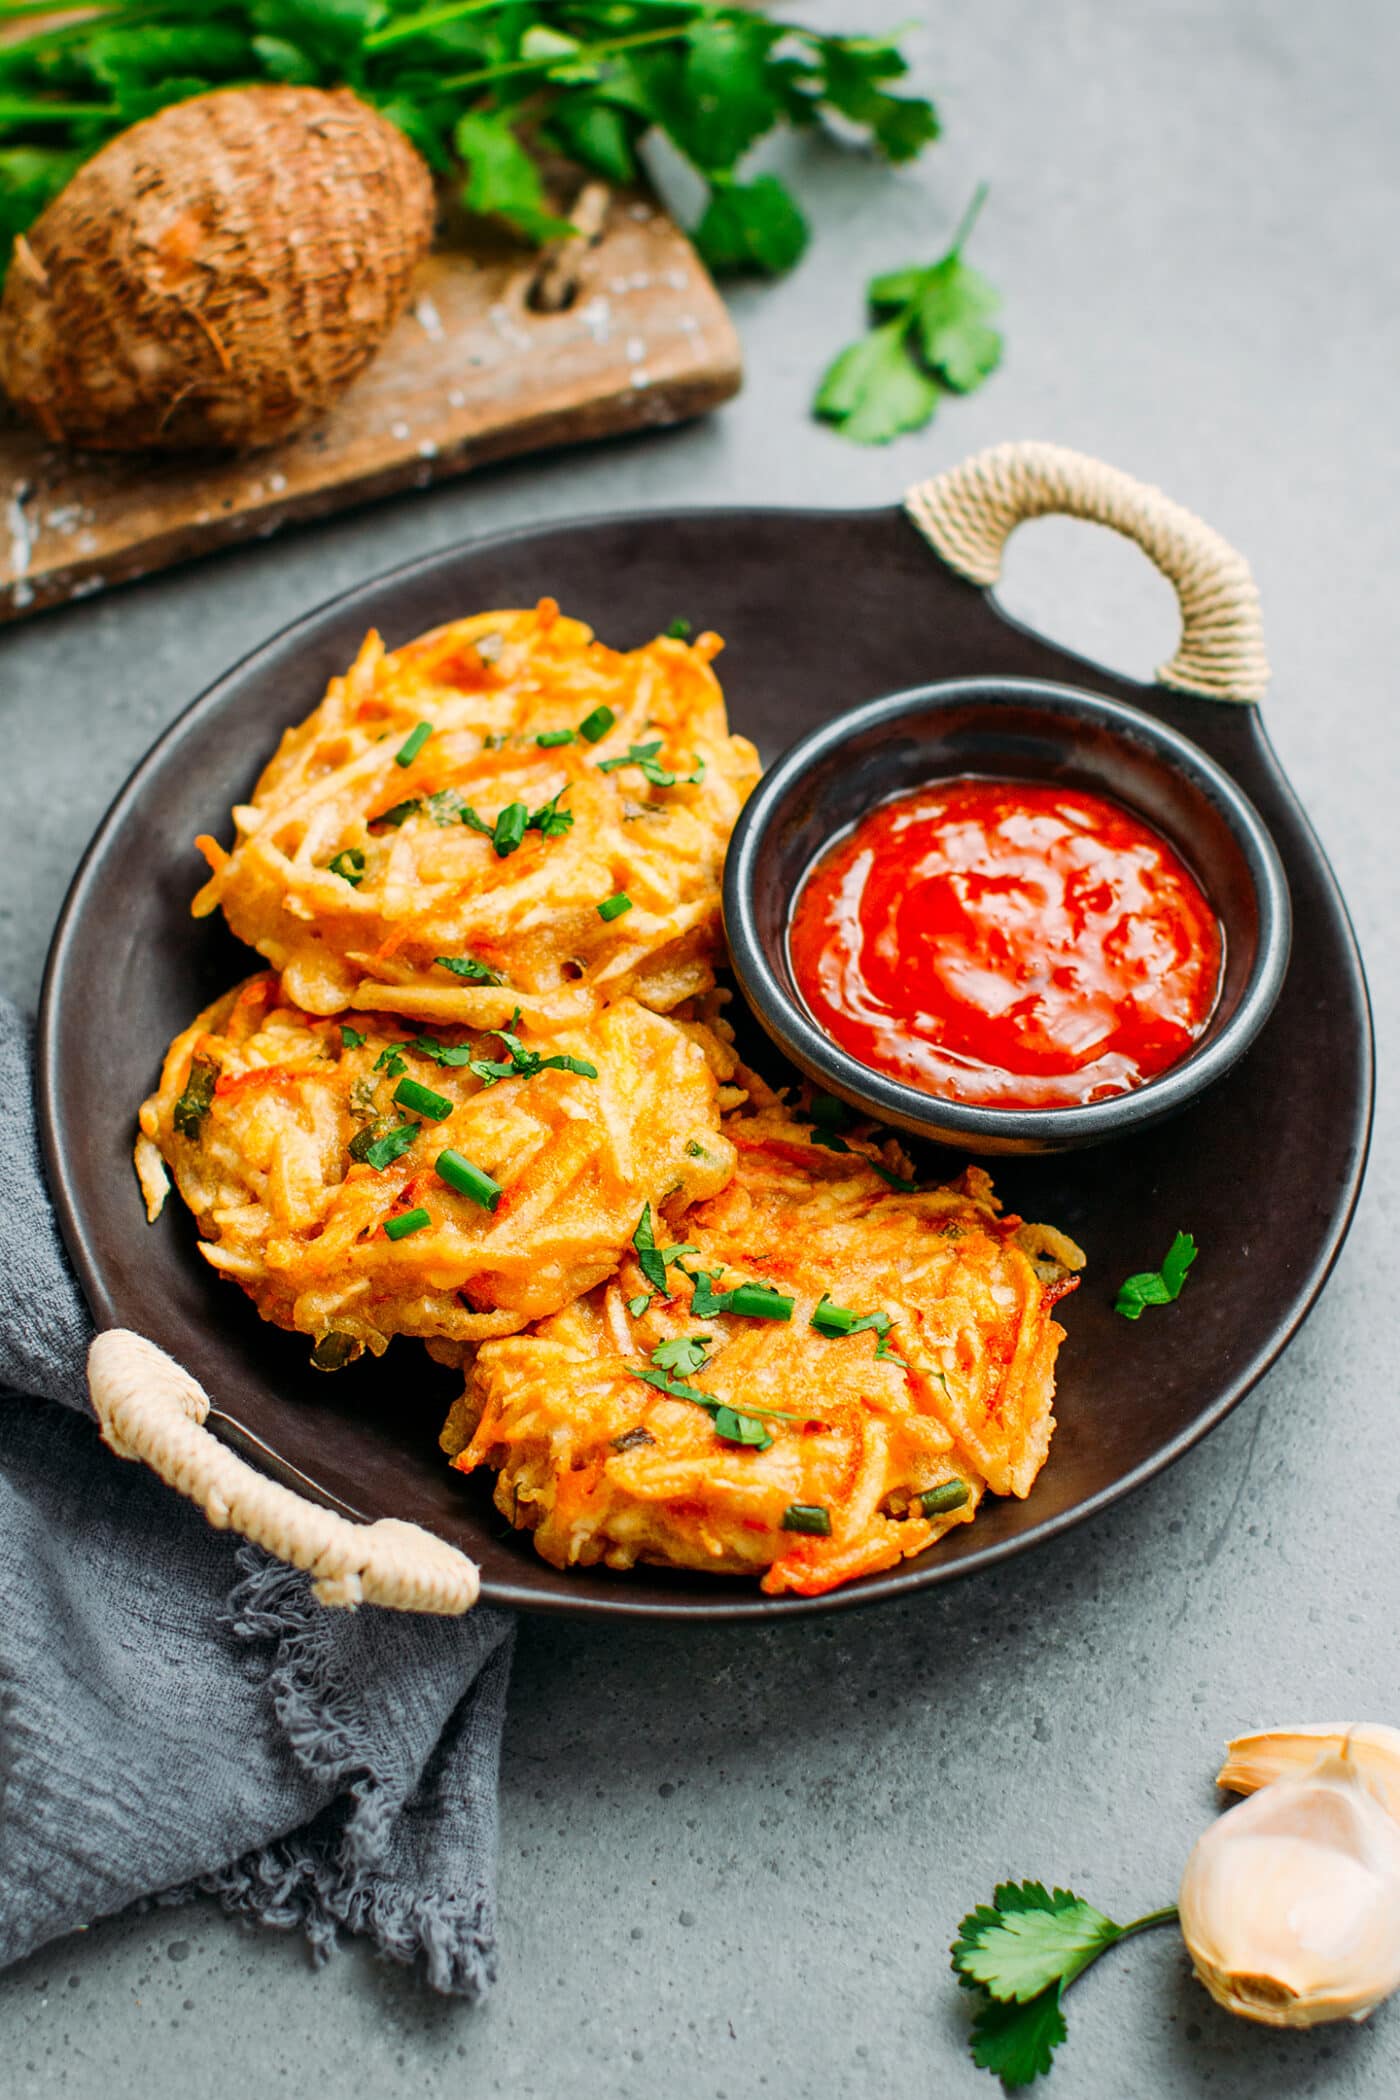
[151, 1409]
[969, 513]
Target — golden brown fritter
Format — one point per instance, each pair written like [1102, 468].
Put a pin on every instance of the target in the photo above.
[297, 1140]
[356, 872]
[688, 1428]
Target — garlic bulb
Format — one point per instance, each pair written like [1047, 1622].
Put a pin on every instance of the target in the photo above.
[1290, 1903]
[1252, 1761]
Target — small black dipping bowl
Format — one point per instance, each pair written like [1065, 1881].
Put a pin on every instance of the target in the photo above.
[1007, 729]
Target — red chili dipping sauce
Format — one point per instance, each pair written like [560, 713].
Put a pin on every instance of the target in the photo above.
[1007, 942]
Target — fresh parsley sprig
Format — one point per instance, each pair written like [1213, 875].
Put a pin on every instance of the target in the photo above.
[931, 334]
[1019, 1955]
[518, 1062]
[485, 89]
[687, 1353]
[1157, 1286]
[643, 756]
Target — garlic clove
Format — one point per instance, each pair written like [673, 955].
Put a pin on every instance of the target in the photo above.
[1252, 1761]
[1290, 1903]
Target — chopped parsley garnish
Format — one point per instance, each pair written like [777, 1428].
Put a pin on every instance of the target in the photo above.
[949, 1494]
[405, 1224]
[550, 739]
[400, 813]
[495, 739]
[686, 1353]
[467, 966]
[1157, 1286]
[520, 1063]
[350, 1038]
[835, 1321]
[810, 1517]
[829, 1118]
[613, 907]
[643, 756]
[638, 1305]
[349, 866]
[390, 1060]
[459, 1173]
[441, 1053]
[381, 1152]
[1019, 1955]
[194, 1104]
[593, 728]
[549, 820]
[649, 1257]
[412, 1094]
[892, 1180]
[413, 743]
[680, 629]
[445, 807]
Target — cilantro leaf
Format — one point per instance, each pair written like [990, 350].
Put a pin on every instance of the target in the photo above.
[1029, 1939]
[752, 226]
[549, 819]
[685, 1353]
[467, 967]
[1015, 2041]
[648, 1253]
[726, 89]
[931, 332]
[853, 72]
[503, 180]
[518, 1063]
[197, 1099]
[1157, 1286]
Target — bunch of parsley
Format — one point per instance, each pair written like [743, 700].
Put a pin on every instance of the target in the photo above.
[486, 89]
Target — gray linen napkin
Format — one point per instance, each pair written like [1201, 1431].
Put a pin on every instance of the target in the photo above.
[177, 1713]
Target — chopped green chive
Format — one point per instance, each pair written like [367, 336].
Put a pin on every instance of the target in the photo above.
[810, 1517]
[832, 1319]
[412, 744]
[836, 1320]
[407, 1222]
[949, 1494]
[613, 907]
[467, 966]
[460, 1174]
[349, 866]
[350, 1038]
[680, 629]
[758, 1301]
[548, 739]
[511, 826]
[593, 728]
[400, 813]
[382, 1152]
[410, 1093]
[194, 1104]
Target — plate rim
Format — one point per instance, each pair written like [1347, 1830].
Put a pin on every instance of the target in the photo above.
[911, 1576]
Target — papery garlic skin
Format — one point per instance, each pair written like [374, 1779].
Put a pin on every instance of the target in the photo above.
[1290, 1904]
[1252, 1761]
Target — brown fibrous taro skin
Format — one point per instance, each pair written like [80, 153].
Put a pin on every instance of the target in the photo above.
[218, 274]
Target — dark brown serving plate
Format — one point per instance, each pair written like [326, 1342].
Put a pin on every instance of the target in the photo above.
[819, 610]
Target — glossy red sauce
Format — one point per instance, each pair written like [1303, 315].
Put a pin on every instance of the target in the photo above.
[1009, 943]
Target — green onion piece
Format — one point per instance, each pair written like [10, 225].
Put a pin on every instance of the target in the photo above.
[400, 813]
[949, 1494]
[832, 1319]
[549, 738]
[334, 1351]
[411, 1093]
[758, 1301]
[413, 743]
[738, 1428]
[596, 726]
[467, 966]
[194, 1104]
[613, 907]
[680, 629]
[349, 866]
[384, 1151]
[408, 1221]
[460, 1174]
[511, 826]
[810, 1517]
[350, 1038]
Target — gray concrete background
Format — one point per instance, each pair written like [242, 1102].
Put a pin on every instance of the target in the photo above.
[732, 1860]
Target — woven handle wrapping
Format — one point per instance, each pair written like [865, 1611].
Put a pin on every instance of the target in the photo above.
[969, 514]
[151, 1409]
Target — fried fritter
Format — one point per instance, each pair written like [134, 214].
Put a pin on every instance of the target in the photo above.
[691, 1430]
[437, 837]
[301, 1143]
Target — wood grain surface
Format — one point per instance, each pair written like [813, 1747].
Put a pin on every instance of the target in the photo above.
[475, 370]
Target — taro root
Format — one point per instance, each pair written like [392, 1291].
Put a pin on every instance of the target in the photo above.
[217, 275]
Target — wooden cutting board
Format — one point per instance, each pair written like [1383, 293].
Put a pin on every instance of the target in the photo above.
[474, 371]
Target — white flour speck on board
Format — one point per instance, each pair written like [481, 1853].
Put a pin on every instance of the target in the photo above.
[21, 538]
[456, 398]
[596, 317]
[677, 279]
[87, 540]
[64, 517]
[92, 584]
[429, 319]
[636, 350]
[638, 378]
[22, 595]
[277, 482]
[427, 448]
[400, 431]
